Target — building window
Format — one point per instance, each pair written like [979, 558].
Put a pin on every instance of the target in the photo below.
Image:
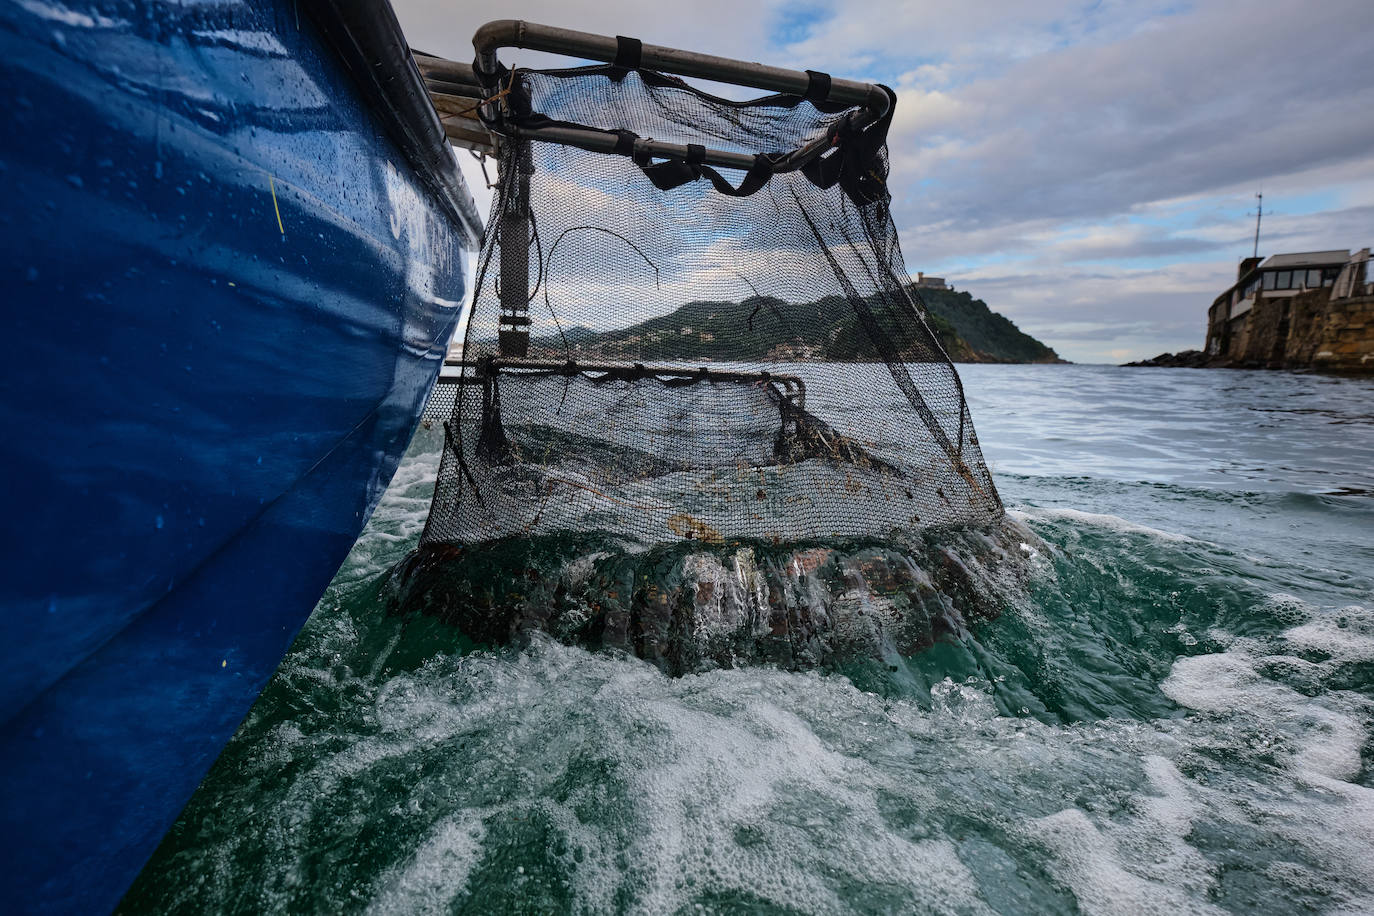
[1283, 280]
[1269, 280]
[1314, 279]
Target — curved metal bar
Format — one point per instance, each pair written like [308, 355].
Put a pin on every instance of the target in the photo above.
[515, 33]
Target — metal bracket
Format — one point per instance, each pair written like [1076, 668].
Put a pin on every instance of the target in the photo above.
[458, 91]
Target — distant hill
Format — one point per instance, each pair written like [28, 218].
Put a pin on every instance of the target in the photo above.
[766, 328]
[973, 333]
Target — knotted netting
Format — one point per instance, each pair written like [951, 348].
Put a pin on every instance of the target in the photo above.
[660, 350]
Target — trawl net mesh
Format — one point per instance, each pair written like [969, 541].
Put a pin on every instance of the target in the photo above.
[652, 358]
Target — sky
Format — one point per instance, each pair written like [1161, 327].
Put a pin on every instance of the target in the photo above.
[1087, 169]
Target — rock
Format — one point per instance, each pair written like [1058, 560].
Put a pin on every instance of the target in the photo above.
[1185, 359]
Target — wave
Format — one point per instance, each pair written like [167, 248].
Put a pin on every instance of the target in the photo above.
[549, 778]
[1134, 721]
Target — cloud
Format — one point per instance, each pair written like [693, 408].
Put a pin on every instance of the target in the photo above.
[1199, 102]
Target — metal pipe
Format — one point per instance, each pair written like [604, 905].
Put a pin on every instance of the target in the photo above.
[514, 33]
[473, 138]
[795, 385]
[449, 71]
[444, 87]
[600, 142]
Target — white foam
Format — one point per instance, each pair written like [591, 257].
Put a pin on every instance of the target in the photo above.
[723, 761]
[1346, 635]
[802, 792]
[1324, 819]
[1111, 522]
[1328, 733]
[1089, 862]
[436, 874]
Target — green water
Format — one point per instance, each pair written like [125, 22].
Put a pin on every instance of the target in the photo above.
[1173, 716]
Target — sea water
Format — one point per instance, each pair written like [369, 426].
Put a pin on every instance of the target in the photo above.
[1176, 718]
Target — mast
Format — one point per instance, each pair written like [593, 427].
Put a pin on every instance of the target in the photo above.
[1259, 213]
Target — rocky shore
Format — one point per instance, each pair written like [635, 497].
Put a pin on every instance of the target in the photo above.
[1184, 359]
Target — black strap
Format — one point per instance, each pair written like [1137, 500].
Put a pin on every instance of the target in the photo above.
[755, 178]
[817, 86]
[674, 172]
[668, 174]
[629, 52]
[824, 170]
[854, 161]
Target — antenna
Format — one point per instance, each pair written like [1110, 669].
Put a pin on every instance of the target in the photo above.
[1259, 214]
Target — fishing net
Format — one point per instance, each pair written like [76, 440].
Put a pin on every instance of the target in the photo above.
[660, 350]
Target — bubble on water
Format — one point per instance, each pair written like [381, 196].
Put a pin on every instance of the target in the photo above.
[1181, 631]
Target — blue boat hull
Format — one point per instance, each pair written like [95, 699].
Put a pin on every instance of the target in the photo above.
[227, 293]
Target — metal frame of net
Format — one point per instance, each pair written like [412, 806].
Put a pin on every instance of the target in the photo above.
[661, 349]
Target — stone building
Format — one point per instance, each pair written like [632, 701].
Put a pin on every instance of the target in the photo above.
[924, 282]
[1305, 310]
